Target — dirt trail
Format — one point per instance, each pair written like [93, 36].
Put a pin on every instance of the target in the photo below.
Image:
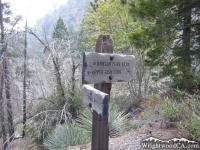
[132, 139]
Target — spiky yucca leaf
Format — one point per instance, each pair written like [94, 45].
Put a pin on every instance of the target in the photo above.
[117, 122]
[64, 136]
[85, 121]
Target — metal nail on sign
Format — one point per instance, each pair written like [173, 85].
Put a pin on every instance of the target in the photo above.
[107, 68]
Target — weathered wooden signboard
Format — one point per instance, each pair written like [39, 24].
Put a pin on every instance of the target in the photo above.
[106, 68]
[102, 68]
[96, 100]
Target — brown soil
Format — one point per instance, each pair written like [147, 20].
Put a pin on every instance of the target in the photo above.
[149, 122]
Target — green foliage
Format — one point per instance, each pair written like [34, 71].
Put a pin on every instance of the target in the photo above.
[9, 19]
[168, 42]
[71, 12]
[180, 94]
[85, 121]
[123, 101]
[117, 121]
[60, 30]
[110, 17]
[154, 96]
[184, 111]
[6, 12]
[123, 2]
[194, 128]
[64, 136]
[74, 100]
[94, 5]
[171, 110]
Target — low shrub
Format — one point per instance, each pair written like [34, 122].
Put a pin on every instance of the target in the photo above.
[170, 109]
[194, 129]
[117, 121]
[64, 136]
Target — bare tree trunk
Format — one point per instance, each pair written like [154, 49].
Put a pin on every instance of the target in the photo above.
[73, 84]
[58, 76]
[8, 98]
[7, 79]
[73, 75]
[55, 63]
[24, 83]
[2, 113]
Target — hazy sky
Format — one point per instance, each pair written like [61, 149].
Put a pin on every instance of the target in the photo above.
[35, 9]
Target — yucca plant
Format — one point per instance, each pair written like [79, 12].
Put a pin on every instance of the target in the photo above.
[64, 136]
[85, 121]
[117, 121]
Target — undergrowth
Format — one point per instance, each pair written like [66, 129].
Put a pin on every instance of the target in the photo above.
[184, 111]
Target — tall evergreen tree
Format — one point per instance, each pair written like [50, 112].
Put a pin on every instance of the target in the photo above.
[60, 30]
[5, 77]
[169, 34]
[2, 112]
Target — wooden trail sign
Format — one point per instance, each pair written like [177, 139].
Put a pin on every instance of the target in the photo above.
[101, 69]
[107, 68]
[95, 99]
[100, 129]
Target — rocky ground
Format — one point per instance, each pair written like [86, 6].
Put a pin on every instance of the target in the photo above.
[132, 140]
[147, 121]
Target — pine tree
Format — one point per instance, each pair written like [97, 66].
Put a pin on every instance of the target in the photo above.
[169, 34]
[5, 78]
[60, 30]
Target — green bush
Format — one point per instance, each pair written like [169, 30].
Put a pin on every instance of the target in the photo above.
[186, 110]
[180, 94]
[171, 110]
[194, 129]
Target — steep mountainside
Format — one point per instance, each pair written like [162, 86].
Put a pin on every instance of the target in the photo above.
[72, 13]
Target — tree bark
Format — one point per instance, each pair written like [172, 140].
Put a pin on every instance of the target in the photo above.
[186, 58]
[58, 76]
[8, 98]
[2, 113]
[55, 63]
[24, 83]
[7, 79]
[2, 60]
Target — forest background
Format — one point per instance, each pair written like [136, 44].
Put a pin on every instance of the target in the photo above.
[40, 67]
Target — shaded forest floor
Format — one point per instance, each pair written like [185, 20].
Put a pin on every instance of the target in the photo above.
[132, 140]
[147, 120]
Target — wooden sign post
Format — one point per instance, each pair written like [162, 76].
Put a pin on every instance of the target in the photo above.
[96, 100]
[107, 68]
[101, 69]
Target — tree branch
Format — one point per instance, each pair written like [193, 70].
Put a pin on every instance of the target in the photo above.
[188, 25]
[31, 32]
